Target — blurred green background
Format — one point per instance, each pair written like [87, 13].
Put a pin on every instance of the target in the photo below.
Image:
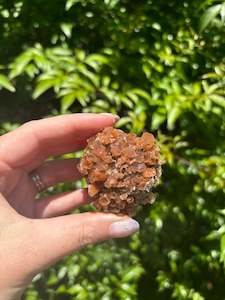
[160, 65]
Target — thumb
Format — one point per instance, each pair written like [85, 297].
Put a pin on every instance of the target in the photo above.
[57, 237]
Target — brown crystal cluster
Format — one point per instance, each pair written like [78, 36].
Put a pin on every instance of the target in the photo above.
[121, 170]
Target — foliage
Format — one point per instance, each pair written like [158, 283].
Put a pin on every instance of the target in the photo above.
[210, 16]
[92, 274]
[161, 67]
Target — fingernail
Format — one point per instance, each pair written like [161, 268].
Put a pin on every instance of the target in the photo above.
[116, 118]
[123, 228]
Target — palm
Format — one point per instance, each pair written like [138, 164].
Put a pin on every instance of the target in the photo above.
[22, 197]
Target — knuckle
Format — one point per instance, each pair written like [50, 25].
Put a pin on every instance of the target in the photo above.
[28, 124]
[86, 235]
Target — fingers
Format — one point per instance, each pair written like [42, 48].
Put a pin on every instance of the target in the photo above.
[37, 140]
[61, 170]
[51, 173]
[52, 239]
[61, 204]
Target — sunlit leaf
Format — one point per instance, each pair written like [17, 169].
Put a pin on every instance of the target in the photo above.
[102, 104]
[5, 83]
[209, 16]
[67, 29]
[42, 87]
[133, 274]
[67, 101]
[145, 95]
[70, 3]
[19, 65]
[126, 101]
[222, 249]
[219, 100]
[123, 121]
[60, 51]
[97, 58]
[215, 234]
[173, 115]
[222, 12]
[157, 119]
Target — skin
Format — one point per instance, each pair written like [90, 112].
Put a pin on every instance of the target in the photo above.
[36, 234]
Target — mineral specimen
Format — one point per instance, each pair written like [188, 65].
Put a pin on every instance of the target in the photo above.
[121, 170]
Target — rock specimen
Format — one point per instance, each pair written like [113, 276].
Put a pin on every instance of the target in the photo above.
[121, 170]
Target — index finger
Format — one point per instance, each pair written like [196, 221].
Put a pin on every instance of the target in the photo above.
[35, 141]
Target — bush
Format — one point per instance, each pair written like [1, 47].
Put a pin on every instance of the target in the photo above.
[161, 68]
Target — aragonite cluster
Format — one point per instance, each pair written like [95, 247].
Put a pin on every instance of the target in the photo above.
[121, 169]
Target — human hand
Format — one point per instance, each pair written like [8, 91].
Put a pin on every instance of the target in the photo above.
[36, 234]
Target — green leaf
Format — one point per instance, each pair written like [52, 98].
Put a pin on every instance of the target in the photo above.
[67, 101]
[208, 16]
[197, 296]
[145, 95]
[173, 115]
[222, 13]
[215, 234]
[111, 3]
[97, 58]
[42, 87]
[67, 29]
[102, 104]
[93, 77]
[32, 70]
[127, 101]
[133, 97]
[133, 274]
[5, 83]
[157, 119]
[147, 70]
[123, 121]
[222, 249]
[221, 211]
[70, 3]
[219, 100]
[80, 54]
[19, 65]
[61, 51]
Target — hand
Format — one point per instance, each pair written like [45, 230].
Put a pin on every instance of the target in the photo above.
[35, 234]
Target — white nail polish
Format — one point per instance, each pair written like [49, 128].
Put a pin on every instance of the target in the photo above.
[123, 228]
[112, 115]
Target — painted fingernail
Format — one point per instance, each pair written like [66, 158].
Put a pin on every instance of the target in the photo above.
[123, 228]
[116, 118]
